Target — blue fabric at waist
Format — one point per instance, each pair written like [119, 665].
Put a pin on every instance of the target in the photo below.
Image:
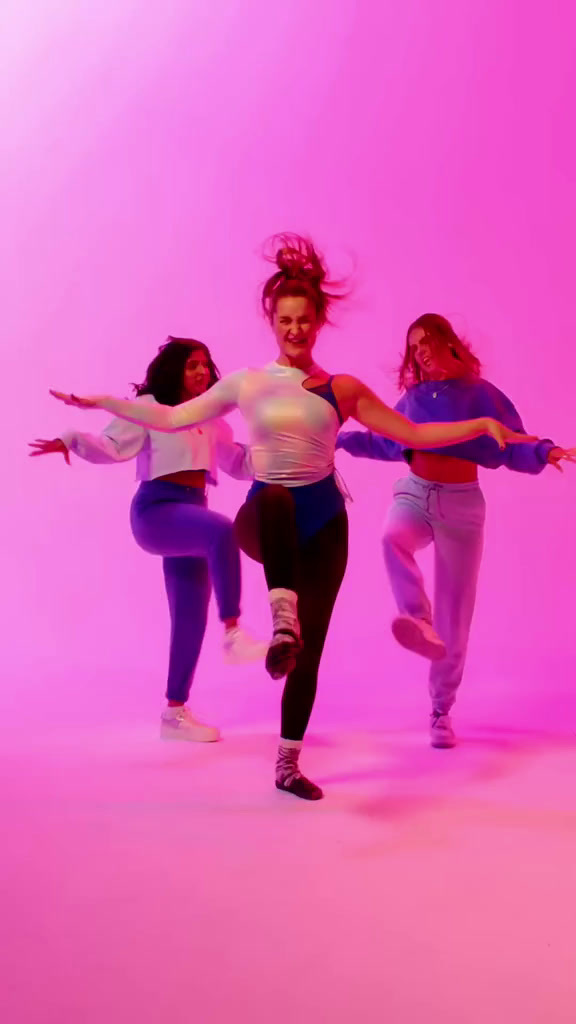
[315, 504]
[151, 491]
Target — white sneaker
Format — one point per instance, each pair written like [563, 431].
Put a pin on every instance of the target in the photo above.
[442, 734]
[419, 636]
[179, 724]
[239, 647]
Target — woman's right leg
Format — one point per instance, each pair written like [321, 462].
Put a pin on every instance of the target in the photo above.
[187, 582]
[188, 590]
[408, 530]
[266, 532]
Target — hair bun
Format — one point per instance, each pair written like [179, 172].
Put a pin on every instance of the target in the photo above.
[296, 258]
[300, 272]
[290, 261]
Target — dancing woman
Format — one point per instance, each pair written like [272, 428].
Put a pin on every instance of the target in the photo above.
[294, 519]
[169, 516]
[440, 502]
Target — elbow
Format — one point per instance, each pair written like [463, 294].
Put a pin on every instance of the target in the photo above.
[170, 423]
[111, 451]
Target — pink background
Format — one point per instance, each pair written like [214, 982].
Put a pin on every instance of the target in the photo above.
[148, 150]
[151, 150]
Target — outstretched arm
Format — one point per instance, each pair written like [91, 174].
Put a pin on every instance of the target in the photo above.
[362, 404]
[365, 444]
[217, 401]
[527, 458]
[119, 442]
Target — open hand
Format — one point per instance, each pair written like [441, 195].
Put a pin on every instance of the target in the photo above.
[503, 435]
[49, 448]
[558, 455]
[79, 403]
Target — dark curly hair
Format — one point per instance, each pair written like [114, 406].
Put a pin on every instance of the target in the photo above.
[301, 272]
[442, 333]
[165, 374]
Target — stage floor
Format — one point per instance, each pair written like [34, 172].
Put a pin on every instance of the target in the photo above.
[151, 882]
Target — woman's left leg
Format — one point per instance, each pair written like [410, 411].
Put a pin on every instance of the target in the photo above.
[266, 531]
[174, 522]
[323, 560]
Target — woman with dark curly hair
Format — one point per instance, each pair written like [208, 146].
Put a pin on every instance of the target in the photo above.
[440, 502]
[294, 519]
[169, 516]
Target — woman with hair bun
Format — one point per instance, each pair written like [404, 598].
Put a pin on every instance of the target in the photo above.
[294, 518]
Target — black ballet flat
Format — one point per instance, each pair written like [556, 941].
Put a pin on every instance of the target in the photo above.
[301, 787]
[282, 655]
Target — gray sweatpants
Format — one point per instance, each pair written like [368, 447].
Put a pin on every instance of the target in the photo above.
[451, 516]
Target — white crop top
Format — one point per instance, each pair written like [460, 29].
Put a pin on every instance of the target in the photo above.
[292, 431]
[210, 447]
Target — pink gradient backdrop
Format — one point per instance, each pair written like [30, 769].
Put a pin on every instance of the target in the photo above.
[149, 149]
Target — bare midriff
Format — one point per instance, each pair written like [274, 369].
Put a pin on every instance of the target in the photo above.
[187, 478]
[443, 469]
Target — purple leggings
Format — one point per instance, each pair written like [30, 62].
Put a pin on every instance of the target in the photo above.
[198, 549]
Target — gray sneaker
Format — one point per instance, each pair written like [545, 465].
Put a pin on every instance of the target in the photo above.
[418, 636]
[442, 735]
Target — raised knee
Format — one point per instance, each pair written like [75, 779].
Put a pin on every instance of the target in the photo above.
[392, 538]
[223, 529]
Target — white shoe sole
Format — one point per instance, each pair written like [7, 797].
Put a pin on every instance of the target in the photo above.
[189, 735]
[257, 653]
[409, 634]
[442, 744]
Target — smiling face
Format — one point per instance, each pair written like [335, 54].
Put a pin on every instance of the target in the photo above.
[434, 351]
[196, 374]
[430, 354]
[295, 326]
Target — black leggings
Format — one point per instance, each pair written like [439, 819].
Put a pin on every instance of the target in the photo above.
[314, 569]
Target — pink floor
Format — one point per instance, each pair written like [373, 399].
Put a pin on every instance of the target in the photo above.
[149, 882]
